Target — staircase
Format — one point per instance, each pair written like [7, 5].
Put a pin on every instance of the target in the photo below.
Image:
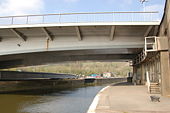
[154, 88]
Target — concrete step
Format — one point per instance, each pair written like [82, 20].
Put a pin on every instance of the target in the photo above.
[154, 83]
[155, 92]
[154, 88]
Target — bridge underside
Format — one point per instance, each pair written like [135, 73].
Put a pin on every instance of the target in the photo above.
[157, 67]
[41, 58]
[27, 45]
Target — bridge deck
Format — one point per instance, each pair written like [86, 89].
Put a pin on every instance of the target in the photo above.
[107, 39]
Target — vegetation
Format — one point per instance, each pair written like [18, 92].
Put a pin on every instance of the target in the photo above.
[82, 68]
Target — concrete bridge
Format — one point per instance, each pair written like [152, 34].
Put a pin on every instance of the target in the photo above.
[39, 39]
[138, 37]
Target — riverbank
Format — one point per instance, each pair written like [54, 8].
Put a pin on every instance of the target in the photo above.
[59, 84]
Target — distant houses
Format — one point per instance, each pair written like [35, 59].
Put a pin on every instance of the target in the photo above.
[103, 75]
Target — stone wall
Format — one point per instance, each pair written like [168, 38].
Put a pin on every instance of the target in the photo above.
[164, 34]
[51, 85]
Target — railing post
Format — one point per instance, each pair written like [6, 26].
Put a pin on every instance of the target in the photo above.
[12, 20]
[43, 19]
[27, 20]
[113, 17]
[132, 17]
[59, 18]
[148, 81]
[151, 16]
[77, 18]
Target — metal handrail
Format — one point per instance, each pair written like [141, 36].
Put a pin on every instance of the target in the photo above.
[120, 16]
[80, 13]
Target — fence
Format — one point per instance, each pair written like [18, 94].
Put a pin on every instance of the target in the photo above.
[81, 18]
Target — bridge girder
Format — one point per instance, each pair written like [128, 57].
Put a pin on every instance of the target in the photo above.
[104, 41]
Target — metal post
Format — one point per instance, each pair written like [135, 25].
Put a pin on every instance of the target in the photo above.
[43, 19]
[12, 20]
[132, 17]
[59, 18]
[27, 20]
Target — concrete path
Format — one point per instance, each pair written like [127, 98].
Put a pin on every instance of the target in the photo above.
[126, 98]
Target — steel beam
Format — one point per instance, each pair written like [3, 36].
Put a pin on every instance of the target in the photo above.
[47, 33]
[148, 31]
[112, 33]
[78, 32]
[156, 30]
[18, 34]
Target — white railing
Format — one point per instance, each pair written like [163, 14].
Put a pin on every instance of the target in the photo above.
[148, 81]
[151, 44]
[81, 18]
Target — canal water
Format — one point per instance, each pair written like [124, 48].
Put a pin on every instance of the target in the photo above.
[74, 100]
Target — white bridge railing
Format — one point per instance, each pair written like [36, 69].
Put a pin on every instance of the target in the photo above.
[81, 18]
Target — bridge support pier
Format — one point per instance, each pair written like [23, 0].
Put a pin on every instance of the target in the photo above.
[158, 67]
[165, 73]
[139, 74]
[143, 71]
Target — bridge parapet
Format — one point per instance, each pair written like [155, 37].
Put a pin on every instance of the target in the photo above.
[81, 18]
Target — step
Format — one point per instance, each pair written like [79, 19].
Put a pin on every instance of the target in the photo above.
[154, 87]
[154, 83]
[155, 92]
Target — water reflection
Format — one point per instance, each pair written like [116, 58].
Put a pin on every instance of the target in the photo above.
[74, 100]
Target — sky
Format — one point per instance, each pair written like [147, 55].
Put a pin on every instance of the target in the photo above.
[20, 7]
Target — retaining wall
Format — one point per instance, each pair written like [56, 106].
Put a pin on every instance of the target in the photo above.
[26, 85]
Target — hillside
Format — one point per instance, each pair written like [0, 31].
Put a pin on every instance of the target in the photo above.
[81, 68]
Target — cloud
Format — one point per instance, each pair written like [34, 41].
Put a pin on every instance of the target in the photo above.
[20, 7]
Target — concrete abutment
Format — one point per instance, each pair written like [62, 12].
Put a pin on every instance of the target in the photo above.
[158, 65]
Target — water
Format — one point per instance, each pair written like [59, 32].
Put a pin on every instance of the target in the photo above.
[75, 100]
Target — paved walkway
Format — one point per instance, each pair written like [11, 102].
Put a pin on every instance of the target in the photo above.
[126, 98]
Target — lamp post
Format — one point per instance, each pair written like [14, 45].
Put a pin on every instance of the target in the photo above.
[143, 2]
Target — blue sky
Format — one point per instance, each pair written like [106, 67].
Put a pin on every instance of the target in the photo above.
[19, 7]
[100, 5]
